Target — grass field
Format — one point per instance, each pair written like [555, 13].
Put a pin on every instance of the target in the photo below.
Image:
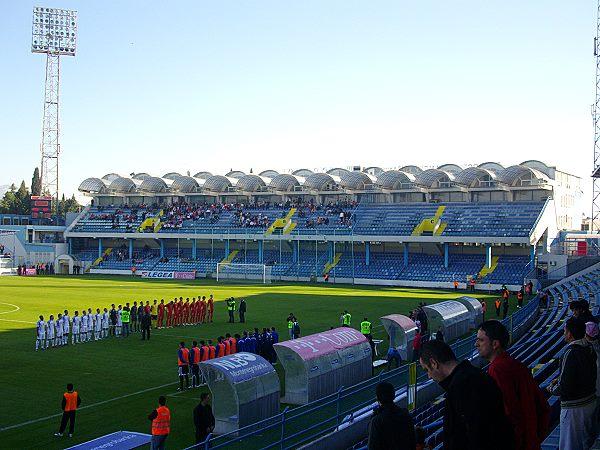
[120, 380]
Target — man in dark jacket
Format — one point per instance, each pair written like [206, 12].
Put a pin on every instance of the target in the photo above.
[474, 417]
[204, 421]
[391, 427]
[145, 324]
[242, 311]
[524, 402]
[576, 386]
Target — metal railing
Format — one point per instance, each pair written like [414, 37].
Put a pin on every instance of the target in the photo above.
[294, 427]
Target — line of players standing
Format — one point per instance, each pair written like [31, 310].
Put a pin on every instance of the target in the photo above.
[121, 321]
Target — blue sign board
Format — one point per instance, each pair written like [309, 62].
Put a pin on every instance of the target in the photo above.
[119, 440]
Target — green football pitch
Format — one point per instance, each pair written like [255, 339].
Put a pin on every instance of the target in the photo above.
[119, 380]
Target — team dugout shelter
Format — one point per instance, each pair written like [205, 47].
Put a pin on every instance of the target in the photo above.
[453, 317]
[401, 330]
[319, 364]
[245, 390]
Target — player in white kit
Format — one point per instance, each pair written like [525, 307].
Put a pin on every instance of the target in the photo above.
[90, 324]
[76, 328]
[40, 340]
[59, 330]
[119, 321]
[105, 323]
[98, 325]
[51, 332]
[84, 327]
[66, 327]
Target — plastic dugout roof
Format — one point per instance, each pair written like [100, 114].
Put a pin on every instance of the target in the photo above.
[401, 330]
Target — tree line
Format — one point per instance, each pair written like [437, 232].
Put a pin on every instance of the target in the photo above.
[18, 201]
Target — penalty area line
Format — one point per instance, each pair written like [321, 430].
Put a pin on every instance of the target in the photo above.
[20, 321]
[93, 405]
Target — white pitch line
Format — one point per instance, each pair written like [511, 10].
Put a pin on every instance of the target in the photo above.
[10, 304]
[93, 405]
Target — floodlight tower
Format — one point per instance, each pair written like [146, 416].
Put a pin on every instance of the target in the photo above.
[54, 33]
[596, 116]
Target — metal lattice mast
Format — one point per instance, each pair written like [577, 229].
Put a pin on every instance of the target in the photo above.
[50, 145]
[54, 33]
[596, 112]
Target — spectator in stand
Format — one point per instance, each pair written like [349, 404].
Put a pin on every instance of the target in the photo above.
[576, 386]
[474, 417]
[591, 335]
[524, 402]
[391, 427]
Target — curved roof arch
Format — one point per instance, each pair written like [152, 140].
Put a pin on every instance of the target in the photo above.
[373, 170]
[320, 182]
[302, 172]
[250, 183]
[415, 170]
[93, 185]
[475, 177]
[493, 166]
[452, 168]
[217, 183]
[269, 173]
[203, 175]
[337, 171]
[171, 175]
[185, 184]
[537, 165]
[153, 184]
[235, 174]
[432, 178]
[141, 176]
[395, 179]
[355, 180]
[122, 184]
[110, 177]
[284, 182]
[522, 175]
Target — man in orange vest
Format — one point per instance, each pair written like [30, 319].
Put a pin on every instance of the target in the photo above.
[70, 402]
[183, 361]
[497, 304]
[161, 424]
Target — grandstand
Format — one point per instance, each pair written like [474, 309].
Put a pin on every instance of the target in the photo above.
[372, 226]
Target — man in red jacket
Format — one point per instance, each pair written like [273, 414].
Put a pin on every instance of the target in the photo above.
[524, 402]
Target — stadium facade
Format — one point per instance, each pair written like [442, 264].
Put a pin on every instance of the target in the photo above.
[403, 226]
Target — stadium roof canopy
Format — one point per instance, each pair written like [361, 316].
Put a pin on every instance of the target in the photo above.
[302, 172]
[411, 169]
[337, 171]
[250, 183]
[373, 170]
[493, 166]
[320, 182]
[185, 184]
[110, 177]
[395, 179]
[217, 183]
[203, 175]
[452, 168]
[171, 175]
[538, 165]
[141, 176]
[269, 173]
[522, 176]
[153, 184]
[235, 174]
[433, 178]
[355, 180]
[284, 182]
[475, 177]
[93, 185]
[122, 184]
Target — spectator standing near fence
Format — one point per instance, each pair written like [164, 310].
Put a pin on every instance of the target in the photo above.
[576, 387]
[391, 427]
[69, 405]
[161, 424]
[524, 403]
[474, 417]
[204, 420]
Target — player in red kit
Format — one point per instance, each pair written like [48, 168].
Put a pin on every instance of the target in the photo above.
[203, 309]
[161, 314]
[211, 308]
[170, 307]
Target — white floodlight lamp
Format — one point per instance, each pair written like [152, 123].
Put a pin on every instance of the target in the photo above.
[54, 31]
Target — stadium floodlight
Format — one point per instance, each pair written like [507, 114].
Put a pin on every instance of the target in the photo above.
[54, 33]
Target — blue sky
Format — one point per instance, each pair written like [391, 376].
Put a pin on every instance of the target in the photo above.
[177, 86]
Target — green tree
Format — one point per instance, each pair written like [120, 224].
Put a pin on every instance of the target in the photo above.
[36, 183]
[68, 205]
[16, 201]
